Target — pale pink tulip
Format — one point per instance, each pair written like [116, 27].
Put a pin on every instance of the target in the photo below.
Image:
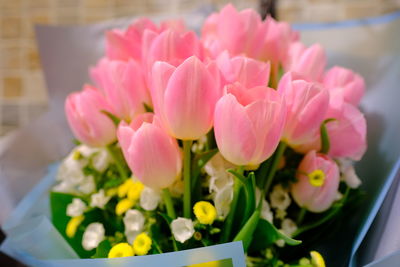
[125, 45]
[153, 156]
[86, 119]
[244, 33]
[123, 85]
[346, 83]
[246, 71]
[185, 97]
[248, 124]
[306, 63]
[317, 195]
[170, 46]
[306, 105]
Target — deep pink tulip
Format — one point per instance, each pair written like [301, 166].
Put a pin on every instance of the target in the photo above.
[246, 71]
[123, 85]
[153, 156]
[86, 119]
[244, 33]
[317, 182]
[345, 82]
[248, 123]
[125, 45]
[306, 63]
[185, 97]
[306, 105]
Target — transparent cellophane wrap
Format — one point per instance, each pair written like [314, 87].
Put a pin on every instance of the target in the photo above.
[370, 47]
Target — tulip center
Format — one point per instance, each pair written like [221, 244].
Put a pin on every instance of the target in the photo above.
[317, 178]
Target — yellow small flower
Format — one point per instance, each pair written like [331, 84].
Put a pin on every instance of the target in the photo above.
[121, 250]
[124, 188]
[205, 212]
[76, 155]
[316, 259]
[73, 224]
[317, 178]
[124, 205]
[135, 190]
[142, 244]
[112, 192]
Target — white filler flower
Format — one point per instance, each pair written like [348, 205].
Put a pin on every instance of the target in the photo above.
[149, 199]
[280, 198]
[93, 235]
[99, 199]
[222, 200]
[348, 173]
[76, 208]
[182, 229]
[133, 221]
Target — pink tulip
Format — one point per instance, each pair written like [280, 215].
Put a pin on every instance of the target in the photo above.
[248, 124]
[125, 45]
[317, 182]
[306, 105]
[306, 63]
[152, 155]
[170, 46]
[246, 71]
[185, 97]
[124, 86]
[346, 83]
[244, 33]
[85, 117]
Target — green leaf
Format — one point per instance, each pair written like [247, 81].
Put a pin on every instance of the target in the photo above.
[102, 249]
[247, 231]
[199, 162]
[325, 144]
[267, 234]
[112, 117]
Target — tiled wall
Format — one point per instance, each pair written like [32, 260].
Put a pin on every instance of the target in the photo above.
[22, 91]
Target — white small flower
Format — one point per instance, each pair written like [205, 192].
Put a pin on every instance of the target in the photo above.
[99, 199]
[93, 235]
[222, 200]
[70, 170]
[63, 187]
[199, 145]
[149, 199]
[288, 227]
[182, 229]
[133, 221]
[76, 208]
[87, 186]
[101, 160]
[280, 243]
[131, 235]
[348, 173]
[280, 214]
[279, 198]
[217, 166]
[266, 212]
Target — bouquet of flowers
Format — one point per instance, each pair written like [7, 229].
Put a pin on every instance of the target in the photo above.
[185, 142]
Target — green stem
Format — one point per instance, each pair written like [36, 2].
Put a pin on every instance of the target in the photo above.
[300, 218]
[187, 205]
[117, 162]
[274, 165]
[169, 204]
[226, 232]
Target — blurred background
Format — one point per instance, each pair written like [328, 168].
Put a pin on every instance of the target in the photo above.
[22, 89]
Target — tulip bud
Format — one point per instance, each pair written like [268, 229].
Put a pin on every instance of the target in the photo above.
[317, 182]
[248, 124]
[146, 145]
[185, 97]
[86, 119]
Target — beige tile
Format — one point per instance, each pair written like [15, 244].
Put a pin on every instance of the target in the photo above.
[69, 3]
[31, 58]
[98, 3]
[38, 3]
[361, 10]
[10, 27]
[11, 57]
[12, 87]
[10, 4]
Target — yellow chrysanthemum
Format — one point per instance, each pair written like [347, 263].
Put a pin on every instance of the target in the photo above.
[73, 224]
[205, 212]
[142, 244]
[121, 250]
[317, 178]
[124, 188]
[124, 205]
[135, 190]
[316, 259]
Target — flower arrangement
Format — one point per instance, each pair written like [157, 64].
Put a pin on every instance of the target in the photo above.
[184, 142]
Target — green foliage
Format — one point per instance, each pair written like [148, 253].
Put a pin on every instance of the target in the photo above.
[103, 249]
